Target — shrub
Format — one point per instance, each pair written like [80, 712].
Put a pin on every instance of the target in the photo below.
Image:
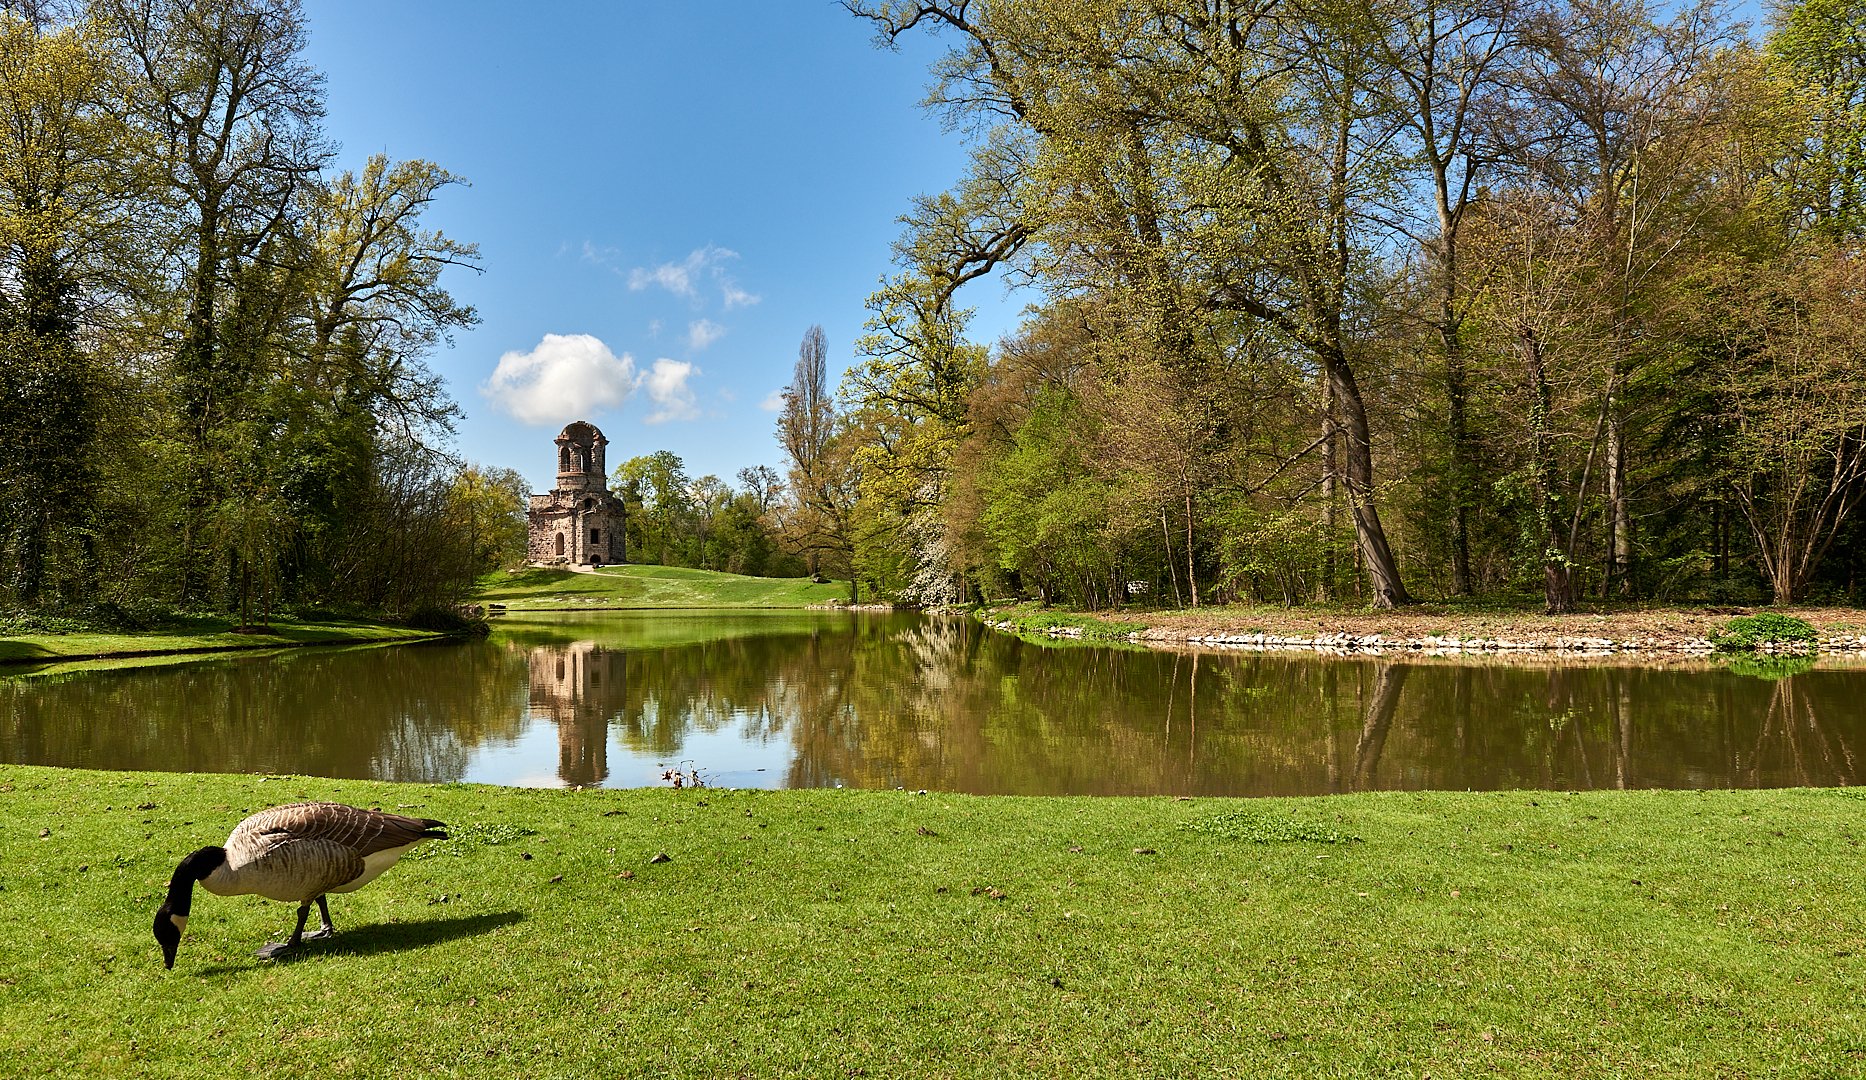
[447, 620]
[39, 622]
[132, 615]
[107, 616]
[1746, 632]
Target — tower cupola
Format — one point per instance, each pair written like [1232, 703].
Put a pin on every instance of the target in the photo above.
[580, 465]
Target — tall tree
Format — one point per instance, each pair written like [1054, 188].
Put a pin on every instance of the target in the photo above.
[70, 199]
[1791, 379]
[1623, 111]
[1451, 63]
[377, 303]
[1820, 47]
[224, 91]
[667, 500]
[1241, 149]
[488, 506]
[822, 488]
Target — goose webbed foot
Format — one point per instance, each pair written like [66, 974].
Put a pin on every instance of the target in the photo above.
[324, 931]
[275, 949]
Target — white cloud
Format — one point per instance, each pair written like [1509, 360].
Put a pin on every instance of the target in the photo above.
[601, 256]
[566, 377]
[674, 277]
[773, 402]
[666, 385]
[702, 333]
[680, 278]
[684, 278]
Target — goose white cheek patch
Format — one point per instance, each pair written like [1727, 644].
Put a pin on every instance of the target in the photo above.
[180, 921]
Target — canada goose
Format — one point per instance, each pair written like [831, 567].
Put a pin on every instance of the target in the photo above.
[294, 853]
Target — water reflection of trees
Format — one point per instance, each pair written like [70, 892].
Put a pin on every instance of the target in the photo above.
[950, 706]
[944, 704]
[408, 713]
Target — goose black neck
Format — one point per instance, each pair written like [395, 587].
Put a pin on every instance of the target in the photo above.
[192, 869]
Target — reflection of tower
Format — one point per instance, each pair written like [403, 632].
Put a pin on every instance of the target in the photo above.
[579, 687]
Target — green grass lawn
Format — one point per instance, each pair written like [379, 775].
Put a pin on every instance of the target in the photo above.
[634, 586]
[843, 933]
[195, 634]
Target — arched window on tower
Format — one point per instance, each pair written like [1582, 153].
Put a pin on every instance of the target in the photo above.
[560, 543]
[563, 458]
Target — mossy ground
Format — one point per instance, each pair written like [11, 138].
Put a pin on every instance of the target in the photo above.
[640, 586]
[839, 933]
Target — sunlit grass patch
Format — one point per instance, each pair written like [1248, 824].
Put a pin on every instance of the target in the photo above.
[462, 839]
[644, 586]
[1253, 827]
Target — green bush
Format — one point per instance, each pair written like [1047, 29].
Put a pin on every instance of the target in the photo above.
[447, 620]
[107, 616]
[1745, 632]
[129, 615]
[39, 622]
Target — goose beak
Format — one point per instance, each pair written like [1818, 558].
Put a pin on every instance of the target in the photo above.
[168, 928]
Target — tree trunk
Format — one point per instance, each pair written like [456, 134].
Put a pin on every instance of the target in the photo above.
[1172, 574]
[1458, 433]
[1371, 539]
[1192, 579]
[1557, 573]
[1331, 473]
[197, 361]
[31, 554]
[1620, 560]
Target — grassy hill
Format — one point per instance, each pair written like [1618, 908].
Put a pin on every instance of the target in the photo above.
[542, 589]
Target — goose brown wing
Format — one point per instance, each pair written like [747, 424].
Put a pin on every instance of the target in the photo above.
[299, 871]
[364, 832]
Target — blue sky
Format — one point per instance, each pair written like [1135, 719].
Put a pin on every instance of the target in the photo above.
[666, 195]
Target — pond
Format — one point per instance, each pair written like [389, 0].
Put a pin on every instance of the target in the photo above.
[818, 699]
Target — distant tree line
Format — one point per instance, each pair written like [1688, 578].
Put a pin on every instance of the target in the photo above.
[675, 520]
[1365, 300]
[213, 392]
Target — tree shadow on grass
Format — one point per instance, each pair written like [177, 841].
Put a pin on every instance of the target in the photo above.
[385, 937]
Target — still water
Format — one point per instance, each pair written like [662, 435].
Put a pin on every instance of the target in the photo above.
[813, 699]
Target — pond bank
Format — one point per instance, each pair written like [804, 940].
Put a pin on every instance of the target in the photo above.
[1428, 629]
[886, 933]
[202, 635]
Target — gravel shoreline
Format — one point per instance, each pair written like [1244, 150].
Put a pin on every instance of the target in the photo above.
[1661, 640]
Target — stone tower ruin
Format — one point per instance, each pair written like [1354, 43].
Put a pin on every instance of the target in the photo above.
[578, 522]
